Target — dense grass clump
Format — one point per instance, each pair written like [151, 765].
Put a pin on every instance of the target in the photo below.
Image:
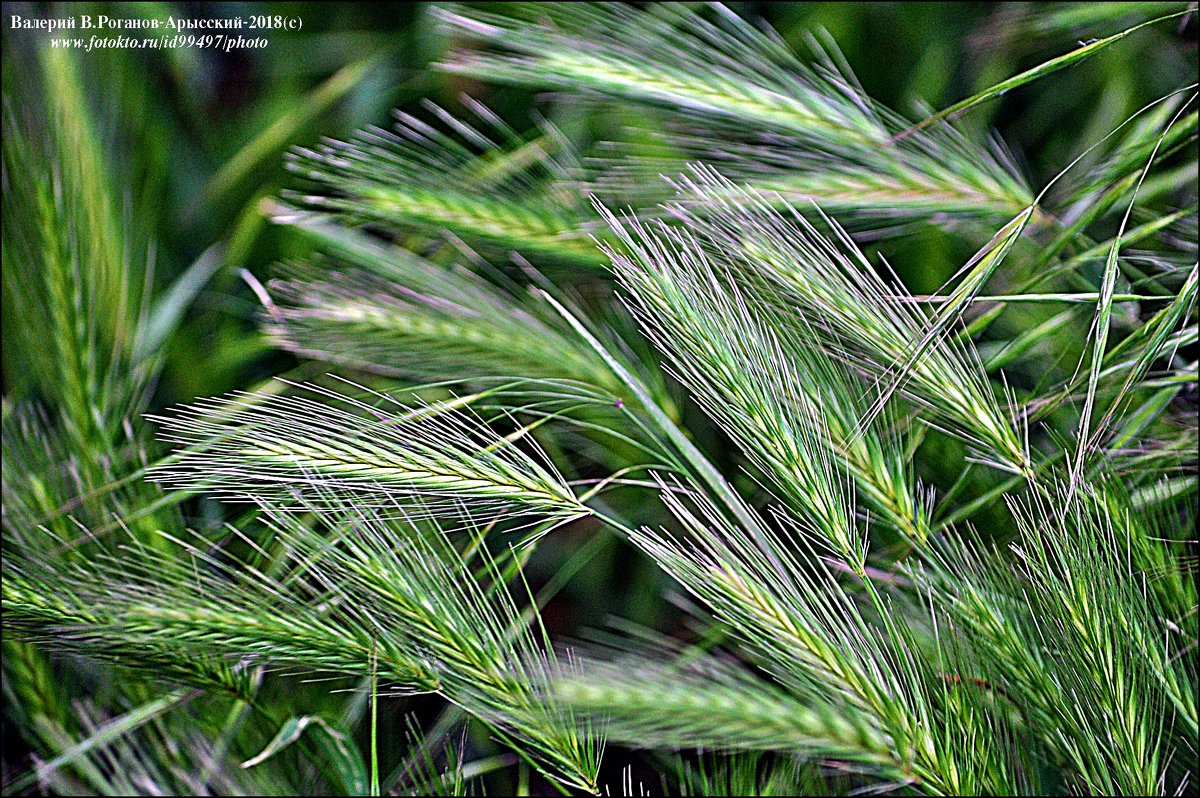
[713, 430]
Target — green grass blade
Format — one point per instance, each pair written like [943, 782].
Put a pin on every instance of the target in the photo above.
[1039, 71]
[275, 138]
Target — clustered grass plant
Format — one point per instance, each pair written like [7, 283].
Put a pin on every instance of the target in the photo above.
[936, 542]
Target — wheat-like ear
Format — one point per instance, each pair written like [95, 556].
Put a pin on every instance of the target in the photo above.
[814, 135]
[887, 192]
[385, 309]
[151, 608]
[385, 597]
[484, 649]
[748, 577]
[507, 194]
[1043, 623]
[670, 56]
[740, 373]
[468, 328]
[294, 448]
[766, 380]
[712, 704]
[659, 700]
[74, 292]
[870, 693]
[830, 288]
